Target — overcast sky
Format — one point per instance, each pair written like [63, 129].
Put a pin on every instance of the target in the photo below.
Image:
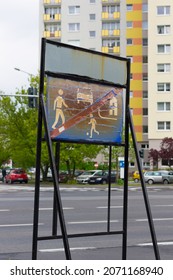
[19, 43]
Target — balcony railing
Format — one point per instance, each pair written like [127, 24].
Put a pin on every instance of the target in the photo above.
[111, 33]
[55, 34]
[115, 15]
[55, 17]
[52, 1]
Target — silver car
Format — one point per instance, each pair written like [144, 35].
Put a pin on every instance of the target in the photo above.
[152, 177]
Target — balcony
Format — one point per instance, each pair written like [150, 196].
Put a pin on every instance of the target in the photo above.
[109, 16]
[111, 33]
[55, 17]
[51, 2]
[113, 50]
[110, 1]
[49, 34]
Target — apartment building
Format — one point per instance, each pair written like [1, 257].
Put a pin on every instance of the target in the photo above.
[120, 27]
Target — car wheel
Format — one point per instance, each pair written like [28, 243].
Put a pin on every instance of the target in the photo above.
[104, 182]
[26, 182]
[165, 182]
[136, 180]
[10, 181]
[150, 182]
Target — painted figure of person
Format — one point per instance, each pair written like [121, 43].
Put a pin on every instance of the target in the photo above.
[93, 125]
[58, 104]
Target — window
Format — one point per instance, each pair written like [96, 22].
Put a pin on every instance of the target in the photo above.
[145, 59]
[92, 1]
[129, 24]
[92, 34]
[145, 41]
[145, 128]
[163, 10]
[131, 94]
[145, 25]
[163, 67]
[163, 87]
[163, 106]
[163, 125]
[111, 43]
[164, 48]
[145, 76]
[129, 41]
[163, 29]
[110, 9]
[129, 7]
[145, 94]
[145, 111]
[74, 10]
[92, 16]
[110, 26]
[74, 27]
[145, 7]
[144, 146]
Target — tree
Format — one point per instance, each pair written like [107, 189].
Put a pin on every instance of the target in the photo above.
[154, 156]
[166, 150]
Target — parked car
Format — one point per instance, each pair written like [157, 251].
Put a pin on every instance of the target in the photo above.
[86, 175]
[102, 177]
[1, 177]
[136, 176]
[16, 175]
[152, 177]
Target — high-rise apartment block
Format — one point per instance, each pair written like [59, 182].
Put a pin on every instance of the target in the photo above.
[139, 29]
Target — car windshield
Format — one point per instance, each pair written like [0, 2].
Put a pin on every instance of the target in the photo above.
[88, 173]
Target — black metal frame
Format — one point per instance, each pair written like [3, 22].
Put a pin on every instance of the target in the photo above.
[54, 162]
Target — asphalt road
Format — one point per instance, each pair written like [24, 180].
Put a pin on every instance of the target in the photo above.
[85, 210]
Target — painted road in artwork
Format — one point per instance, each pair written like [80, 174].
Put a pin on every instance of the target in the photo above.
[84, 112]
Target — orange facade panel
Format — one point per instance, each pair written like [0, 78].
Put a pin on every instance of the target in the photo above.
[137, 7]
[137, 111]
[137, 76]
[137, 41]
[137, 58]
[137, 24]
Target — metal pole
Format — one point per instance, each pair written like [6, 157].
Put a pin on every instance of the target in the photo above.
[55, 209]
[126, 166]
[109, 189]
[38, 159]
[144, 190]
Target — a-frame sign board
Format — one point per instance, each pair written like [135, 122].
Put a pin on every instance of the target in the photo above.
[85, 91]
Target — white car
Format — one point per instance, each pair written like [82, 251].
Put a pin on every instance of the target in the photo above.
[86, 175]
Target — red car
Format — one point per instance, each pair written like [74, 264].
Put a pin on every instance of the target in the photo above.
[16, 175]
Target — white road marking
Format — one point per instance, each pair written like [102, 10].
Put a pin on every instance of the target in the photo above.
[64, 208]
[4, 210]
[62, 249]
[156, 219]
[92, 222]
[168, 205]
[105, 207]
[19, 225]
[163, 243]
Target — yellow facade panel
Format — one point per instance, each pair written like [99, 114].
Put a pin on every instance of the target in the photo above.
[116, 49]
[116, 32]
[46, 1]
[105, 15]
[116, 15]
[136, 67]
[136, 85]
[137, 120]
[46, 17]
[57, 33]
[139, 136]
[136, 102]
[134, 50]
[105, 49]
[46, 34]
[134, 1]
[134, 33]
[131, 16]
[57, 16]
[105, 32]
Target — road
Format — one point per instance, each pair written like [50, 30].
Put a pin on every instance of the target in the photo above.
[85, 210]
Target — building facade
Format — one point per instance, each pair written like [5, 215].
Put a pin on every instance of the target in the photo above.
[120, 27]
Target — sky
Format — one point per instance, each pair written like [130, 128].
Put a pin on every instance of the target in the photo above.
[19, 43]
